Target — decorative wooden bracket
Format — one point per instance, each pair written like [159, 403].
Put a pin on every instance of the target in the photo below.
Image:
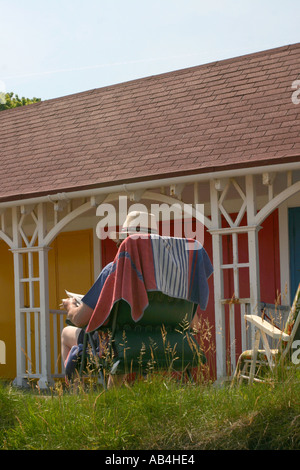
[176, 190]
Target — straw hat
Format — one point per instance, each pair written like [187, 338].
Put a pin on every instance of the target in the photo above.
[136, 222]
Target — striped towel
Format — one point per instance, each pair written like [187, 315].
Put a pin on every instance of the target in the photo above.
[181, 268]
[171, 262]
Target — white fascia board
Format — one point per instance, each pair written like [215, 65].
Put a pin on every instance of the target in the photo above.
[155, 183]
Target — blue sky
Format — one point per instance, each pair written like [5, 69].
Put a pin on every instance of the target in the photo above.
[52, 48]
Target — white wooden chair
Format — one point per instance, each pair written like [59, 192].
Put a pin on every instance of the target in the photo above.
[253, 362]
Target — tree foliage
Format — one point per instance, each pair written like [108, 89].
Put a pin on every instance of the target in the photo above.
[11, 100]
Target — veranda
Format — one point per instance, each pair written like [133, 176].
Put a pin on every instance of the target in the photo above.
[236, 204]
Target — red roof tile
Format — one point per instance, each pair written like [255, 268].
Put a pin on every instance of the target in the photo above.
[222, 115]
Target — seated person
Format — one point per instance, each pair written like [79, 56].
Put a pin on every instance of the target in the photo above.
[80, 315]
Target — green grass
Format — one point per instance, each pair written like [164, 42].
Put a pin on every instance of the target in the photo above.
[154, 414]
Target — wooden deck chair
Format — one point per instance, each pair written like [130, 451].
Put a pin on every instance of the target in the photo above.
[161, 340]
[253, 363]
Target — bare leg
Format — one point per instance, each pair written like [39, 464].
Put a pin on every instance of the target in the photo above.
[69, 338]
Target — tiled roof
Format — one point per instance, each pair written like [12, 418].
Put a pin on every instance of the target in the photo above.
[222, 115]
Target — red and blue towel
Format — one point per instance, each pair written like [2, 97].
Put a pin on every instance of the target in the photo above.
[178, 267]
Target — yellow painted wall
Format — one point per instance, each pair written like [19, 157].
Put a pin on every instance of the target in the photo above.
[70, 267]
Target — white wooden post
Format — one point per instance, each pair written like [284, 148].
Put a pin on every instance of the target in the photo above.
[218, 283]
[252, 246]
[45, 379]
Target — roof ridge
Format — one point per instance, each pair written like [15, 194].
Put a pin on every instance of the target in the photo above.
[225, 114]
[183, 70]
[163, 74]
